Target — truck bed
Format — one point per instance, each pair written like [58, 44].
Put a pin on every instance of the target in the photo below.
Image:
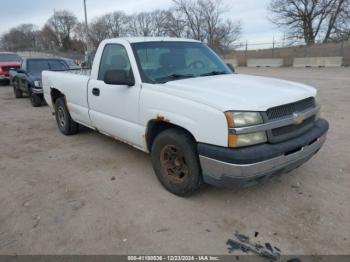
[72, 83]
[83, 71]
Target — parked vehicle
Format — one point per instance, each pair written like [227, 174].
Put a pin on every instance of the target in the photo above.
[8, 61]
[27, 78]
[178, 101]
[71, 64]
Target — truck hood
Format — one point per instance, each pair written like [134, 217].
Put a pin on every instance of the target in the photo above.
[238, 91]
[13, 63]
[35, 76]
[3, 64]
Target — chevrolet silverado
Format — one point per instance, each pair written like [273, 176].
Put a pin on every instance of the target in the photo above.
[200, 121]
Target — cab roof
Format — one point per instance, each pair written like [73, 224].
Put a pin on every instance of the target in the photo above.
[154, 39]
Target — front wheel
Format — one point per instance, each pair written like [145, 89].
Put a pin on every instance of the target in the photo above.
[36, 100]
[65, 123]
[175, 162]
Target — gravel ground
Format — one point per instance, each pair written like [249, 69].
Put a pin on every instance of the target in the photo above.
[89, 194]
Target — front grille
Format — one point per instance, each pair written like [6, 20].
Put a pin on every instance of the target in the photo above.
[289, 109]
[8, 68]
[293, 128]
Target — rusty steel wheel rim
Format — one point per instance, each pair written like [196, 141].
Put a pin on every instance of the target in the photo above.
[61, 116]
[173, 163]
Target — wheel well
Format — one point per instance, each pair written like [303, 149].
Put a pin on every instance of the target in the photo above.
[55, 94]
[155, 127]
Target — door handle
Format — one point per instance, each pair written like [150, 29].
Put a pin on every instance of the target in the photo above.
[96, 91]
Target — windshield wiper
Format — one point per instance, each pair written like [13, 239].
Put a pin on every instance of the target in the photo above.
[214, 73]
[173, 77]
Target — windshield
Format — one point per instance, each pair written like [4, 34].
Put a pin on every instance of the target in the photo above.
[160, 62]
[37, 66]
[9, 58]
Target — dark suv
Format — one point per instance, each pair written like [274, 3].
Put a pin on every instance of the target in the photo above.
[27, 79]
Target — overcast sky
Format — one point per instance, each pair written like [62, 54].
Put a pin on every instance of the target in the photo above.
[252, 13]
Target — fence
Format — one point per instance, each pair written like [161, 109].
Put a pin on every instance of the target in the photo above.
[288, 53]
[248, 51]
[38, 53]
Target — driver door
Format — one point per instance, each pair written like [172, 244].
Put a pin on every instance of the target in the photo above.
[114, 109]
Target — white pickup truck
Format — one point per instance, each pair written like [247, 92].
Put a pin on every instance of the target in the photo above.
[200, 121]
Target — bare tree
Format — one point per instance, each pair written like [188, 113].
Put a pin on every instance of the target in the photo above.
[174, 24]
[62, 24]
[48, 39]
[108, 26]
[311, 20]
[22, 37]
[204, 21]
[116, 23]
[98, 31]
[194, 15]
[140, 24]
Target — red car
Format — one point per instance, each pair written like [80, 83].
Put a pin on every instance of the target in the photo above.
[8, 61]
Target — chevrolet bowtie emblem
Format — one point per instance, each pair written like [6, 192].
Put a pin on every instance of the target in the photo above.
[298, 119]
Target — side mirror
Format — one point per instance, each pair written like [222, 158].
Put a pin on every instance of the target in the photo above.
[119, 77]
[231, 67]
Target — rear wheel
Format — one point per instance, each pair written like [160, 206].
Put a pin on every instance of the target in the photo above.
[175, 162]
[64, 121]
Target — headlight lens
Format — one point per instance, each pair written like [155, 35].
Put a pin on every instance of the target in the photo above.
[247, 139]
[37, 83]
[242, 119]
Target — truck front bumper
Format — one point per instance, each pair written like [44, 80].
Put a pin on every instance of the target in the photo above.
[247, 166]
[38, 90]
[4, 77]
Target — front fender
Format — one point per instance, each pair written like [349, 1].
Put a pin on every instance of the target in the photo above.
[207, 125]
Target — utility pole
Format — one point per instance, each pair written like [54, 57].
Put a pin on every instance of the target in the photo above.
[86, 26]
[88, 49]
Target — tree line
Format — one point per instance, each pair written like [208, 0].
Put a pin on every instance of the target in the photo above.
[314, 21]
[203, 20]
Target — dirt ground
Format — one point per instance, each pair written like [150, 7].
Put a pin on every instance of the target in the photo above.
[89, 194]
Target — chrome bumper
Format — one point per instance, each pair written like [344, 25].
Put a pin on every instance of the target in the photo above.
[222, 174]
[37, 91]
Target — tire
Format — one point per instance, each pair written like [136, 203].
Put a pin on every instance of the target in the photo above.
[35, 99]
[175, 162]
[65, 123]
[5, 82]
[18, 93]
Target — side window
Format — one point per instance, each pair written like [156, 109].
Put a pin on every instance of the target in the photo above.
[114, 57]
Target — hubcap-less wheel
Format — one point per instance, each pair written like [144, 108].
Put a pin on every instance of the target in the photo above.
[173, 163]
[61, 116]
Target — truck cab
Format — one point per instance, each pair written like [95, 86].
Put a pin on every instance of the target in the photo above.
[201, 122]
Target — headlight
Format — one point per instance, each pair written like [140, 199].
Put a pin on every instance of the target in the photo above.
[247, 139]
[242, 119]
[37, 83]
